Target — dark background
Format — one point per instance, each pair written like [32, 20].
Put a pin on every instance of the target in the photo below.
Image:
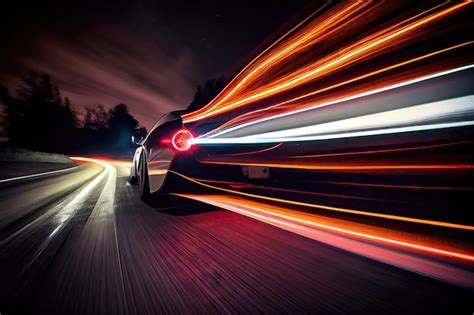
[149, 55]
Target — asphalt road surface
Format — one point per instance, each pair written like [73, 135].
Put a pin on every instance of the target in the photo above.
[82, 242]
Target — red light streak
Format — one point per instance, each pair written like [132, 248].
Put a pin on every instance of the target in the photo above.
[351, 237]
[250, 186]
[395, 186]
[336, 209]
[308, 192]
[380, 151]
[253, 152]
[123, 163]
[346, 167]
[294, 217]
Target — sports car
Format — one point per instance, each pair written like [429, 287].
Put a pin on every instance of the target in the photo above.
[395, 138]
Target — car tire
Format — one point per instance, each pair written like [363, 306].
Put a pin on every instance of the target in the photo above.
[144, 187]
[132, 179]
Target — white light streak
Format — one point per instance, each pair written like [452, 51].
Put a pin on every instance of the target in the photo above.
[250, 140]
[361, 95]
[37, 175]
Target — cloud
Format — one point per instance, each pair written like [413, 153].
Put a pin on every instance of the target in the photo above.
[111, 66]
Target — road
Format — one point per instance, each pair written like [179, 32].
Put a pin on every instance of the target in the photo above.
[82, 242]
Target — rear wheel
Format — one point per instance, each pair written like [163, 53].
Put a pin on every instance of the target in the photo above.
[132, 178]
[143, 184]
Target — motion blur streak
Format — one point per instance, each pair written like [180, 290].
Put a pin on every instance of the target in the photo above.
[266, 62]
[36, 175]
[395, 186]
[380, 151]
[346, 238]
[253, 152]
[341, 129]
[387, 119]
[349, 167]
[359, 50]
[102, 161]
[337, 209]
[68, 210]
[245, 185]
[238, 120]
[337, 101]
[74, 205]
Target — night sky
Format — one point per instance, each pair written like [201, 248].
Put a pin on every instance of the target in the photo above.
[150, 55]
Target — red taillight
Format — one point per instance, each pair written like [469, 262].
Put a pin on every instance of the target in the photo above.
[182, 140]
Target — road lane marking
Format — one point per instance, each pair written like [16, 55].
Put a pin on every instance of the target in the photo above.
[105, 207]
[105, 203]
[65, 214]
[68, 209]
[36, 175]
[71, 208]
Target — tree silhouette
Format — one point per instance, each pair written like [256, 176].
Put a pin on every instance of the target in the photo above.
[207, 93]
[37, 117]
[96, 118]
[121, 128]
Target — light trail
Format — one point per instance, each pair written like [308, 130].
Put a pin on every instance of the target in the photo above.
[376, 132]
[351, 237]
[238, 120]
[337, 101]
[394, 186]
[285, 51]
[329, 208]
[37, 174]
[247, 185]
[250, 186]
[67, 209]
[339, 167]
[339, 59]
[387, 119]
[381, 151]
[253, 152]
[157, 172]
[311, 220]
[96, 159]
[240, 82]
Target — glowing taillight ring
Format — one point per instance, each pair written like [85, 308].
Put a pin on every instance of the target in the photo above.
[182, 140]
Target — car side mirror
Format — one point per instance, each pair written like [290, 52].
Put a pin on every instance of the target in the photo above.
[137, 141]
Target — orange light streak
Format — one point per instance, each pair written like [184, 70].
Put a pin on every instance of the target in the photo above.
[123, 163]
[157, 172]
[253, 152]
[395, 186]
[337, 209]
[266, 63]
[262, 211]
[159, 162]
[309, 72]
[244, 185]
[381, 151]
[347, 167]
[331, 87]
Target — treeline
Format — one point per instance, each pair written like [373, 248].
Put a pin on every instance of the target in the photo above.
[38, 118]
[206, 93]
